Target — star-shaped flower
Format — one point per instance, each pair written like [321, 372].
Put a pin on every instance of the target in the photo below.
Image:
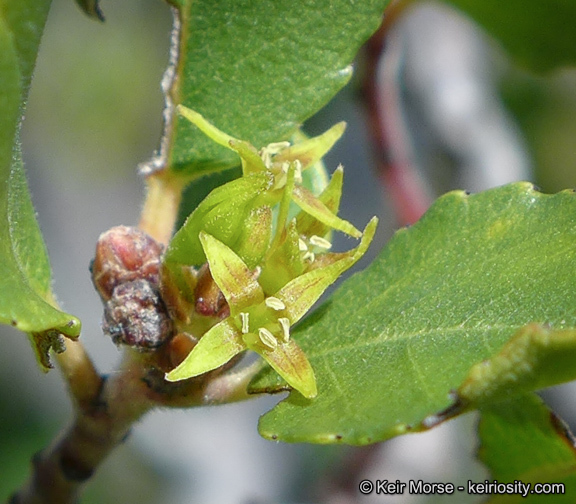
[229, 211]
[261, 322]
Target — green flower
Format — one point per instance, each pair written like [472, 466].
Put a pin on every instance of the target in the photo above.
[269, 268]
[262, 322]
[232, 212]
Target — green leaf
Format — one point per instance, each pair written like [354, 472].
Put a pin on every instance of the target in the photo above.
[535, 358]
[26, 299]
[91, 8]
[445, 294]
[257, 69]
[21, 26]
[537, 34]
[522, 440]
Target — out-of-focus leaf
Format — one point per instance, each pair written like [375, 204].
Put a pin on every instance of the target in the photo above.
[445, 294]
[537, 34]
[91, 8]
[522, 441]
[535, 358]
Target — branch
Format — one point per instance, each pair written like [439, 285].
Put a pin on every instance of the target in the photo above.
[388, 134]
[82, 378]
[104, 419]
[160, 211]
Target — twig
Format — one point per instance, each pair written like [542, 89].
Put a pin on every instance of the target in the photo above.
[231, 387]
[103, 420]
[160, 211]
[386, 125]
[341, 485]
[80, 375]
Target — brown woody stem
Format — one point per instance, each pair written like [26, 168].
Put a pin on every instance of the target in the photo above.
[102, 421]
[105, 414]
[409, 195]
[79, 372]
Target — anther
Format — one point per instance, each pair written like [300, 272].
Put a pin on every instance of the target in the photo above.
[309, 256]
[276, 147]
[245, 317]
[275, 303]
[320, 242]
[285, 324]
[298, 171]
[267, 338]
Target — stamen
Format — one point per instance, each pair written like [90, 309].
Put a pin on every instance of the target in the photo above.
[245, 317]
[309, 256]
[302, 245]
[270, 150]
[298, 171]
[285, 323]
[267, 338]
[320, 242]
[274, 303]
[266, 158]
[276, 147]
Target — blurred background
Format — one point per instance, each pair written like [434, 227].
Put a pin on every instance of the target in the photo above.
[435, 105]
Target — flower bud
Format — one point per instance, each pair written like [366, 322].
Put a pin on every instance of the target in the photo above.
[209, 298]
[124, 254]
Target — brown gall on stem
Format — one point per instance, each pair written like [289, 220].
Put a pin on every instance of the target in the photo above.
[136, 316]
[126, 273]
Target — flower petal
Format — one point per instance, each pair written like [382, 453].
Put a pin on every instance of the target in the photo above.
[283, 264]
[220, 214]
[251, 160]
[309, 225]
[312, 205]
[203, 125]
[214, 349]
[236, 281]
[290, 362]
[312, 150]
[300, 294]
[254, 239]
[284, 207]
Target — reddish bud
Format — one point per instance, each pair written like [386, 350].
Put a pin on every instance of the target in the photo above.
[124, 254]
[179, 348]
[209, 298]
